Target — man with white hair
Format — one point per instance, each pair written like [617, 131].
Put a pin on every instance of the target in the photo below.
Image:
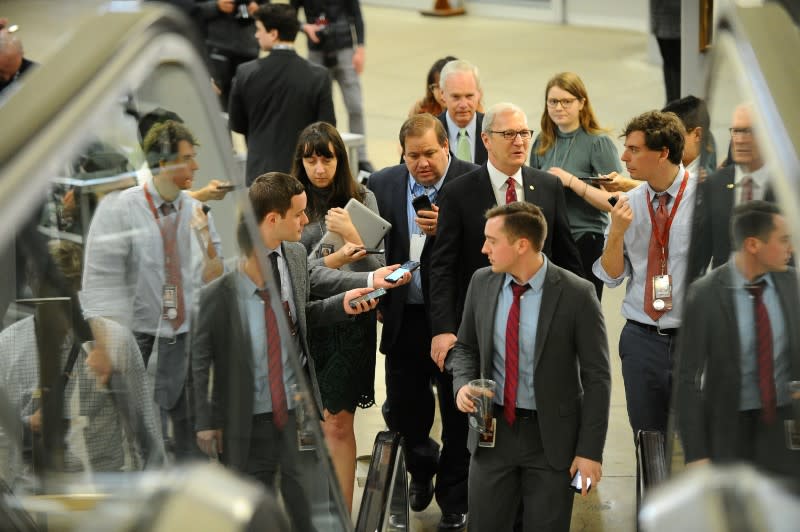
[12, 61]
[461, 88]
[504, 178]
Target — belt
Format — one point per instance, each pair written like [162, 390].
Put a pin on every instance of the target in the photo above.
[654, 329]
[169, 340]
[521, 413]
[266, 417]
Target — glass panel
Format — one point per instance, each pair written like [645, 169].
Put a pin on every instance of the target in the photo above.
[131, 331]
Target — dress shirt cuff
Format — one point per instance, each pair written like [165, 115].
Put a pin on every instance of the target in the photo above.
[611, 282]
[369, 279]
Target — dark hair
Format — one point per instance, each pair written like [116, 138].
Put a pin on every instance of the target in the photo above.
[317, 139]
[281, 17]
[573, 84]
[661, 130]
[243, 237]
[752, 219]
[522, 220]
[693, 112]
[273, 192]
[159, 115]
[429, 103]
[161, 142]
[418, 125]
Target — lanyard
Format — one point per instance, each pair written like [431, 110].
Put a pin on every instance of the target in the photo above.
[155, 211]
[663, 240]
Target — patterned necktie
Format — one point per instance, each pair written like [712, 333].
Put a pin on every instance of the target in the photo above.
[512, 355]
[654, 266]
[747, 189]
[274, 363]
[463, 149]
[766, 377]
[172, 261]
[511, 190]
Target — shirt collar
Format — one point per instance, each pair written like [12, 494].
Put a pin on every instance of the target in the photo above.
[247, 288]
[694, 168]
[471, 127]
[536, 282]
[760, 176]
[674, 187]
[157, 199]
[498, 178]
[739, 280]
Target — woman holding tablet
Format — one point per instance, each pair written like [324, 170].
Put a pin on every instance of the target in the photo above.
[344, 353]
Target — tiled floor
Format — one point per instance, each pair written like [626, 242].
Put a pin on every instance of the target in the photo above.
[515, 58]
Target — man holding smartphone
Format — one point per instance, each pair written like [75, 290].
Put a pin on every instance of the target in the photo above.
[407, 195]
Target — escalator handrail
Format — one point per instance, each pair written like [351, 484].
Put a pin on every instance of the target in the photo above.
[377, 489]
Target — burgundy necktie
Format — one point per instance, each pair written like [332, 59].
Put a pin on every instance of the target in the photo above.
[747, 189]
[766, 377]
[512, 355]
[654, 266]
[172, 261]
[274, 364]
[511, 191]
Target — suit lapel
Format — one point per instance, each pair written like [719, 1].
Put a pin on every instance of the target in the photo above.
[399, 190]
[787, 294]
[296, 266]
[241, 339]
[551, 292]
[486, 335]
[529, 188]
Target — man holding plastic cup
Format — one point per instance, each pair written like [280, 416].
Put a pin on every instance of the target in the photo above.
[543, 343]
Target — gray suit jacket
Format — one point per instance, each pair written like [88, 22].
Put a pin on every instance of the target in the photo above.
[709, 354]
[572, 379]
[221, 340]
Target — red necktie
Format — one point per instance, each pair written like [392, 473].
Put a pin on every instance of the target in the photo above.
[766, 377]
[511, 191]
[747, 189]
[654, 266]
[172, 260]
[274, 364]
[512, 355]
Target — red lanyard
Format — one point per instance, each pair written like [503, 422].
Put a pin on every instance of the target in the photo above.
[161, 228]
[663, 240]
[153, 206]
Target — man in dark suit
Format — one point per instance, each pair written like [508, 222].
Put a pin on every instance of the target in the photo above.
[747, 179]
[406, 338]
[740, 348]
[250, 419]
[537, 331]
[463, 202]
[273, 98]
[461, 88]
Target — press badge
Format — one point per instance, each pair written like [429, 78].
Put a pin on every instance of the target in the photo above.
[487, 439]
[169, 298]
[662, 292]
[415, 250]
[326, 249]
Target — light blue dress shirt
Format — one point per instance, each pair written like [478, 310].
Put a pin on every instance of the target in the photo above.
[636, 244]
[750, 394]
[529, 304]
[415, 287]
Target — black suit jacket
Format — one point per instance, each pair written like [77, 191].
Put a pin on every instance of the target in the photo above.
[711, 234]
[457, 252]
[708, 408]
[390, 186]
[480, 150]
[571, 378]
[272, 99]
[221, 339]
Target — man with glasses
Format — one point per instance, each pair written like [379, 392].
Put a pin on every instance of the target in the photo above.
[461, 89]
[406, 338]
[746, 179]
[503, 179]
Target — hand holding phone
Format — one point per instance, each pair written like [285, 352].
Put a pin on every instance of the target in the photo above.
[398, 274]
[422, 203]
[576, 482]
[226, 187]
[375, 294]
[372, 251]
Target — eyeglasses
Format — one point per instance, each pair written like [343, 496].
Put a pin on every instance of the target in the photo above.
[741, 131]
[565, 102]
[510, 134]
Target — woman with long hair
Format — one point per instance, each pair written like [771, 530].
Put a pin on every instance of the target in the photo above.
[574, 147]
[433, 101]
[344, 353]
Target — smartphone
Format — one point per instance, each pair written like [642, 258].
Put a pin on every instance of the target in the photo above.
[372, 251]
[595, 179]
[576, 483]
[226, 187]
[375, 294]
[396, 275]
[422, 203]
[613, 200]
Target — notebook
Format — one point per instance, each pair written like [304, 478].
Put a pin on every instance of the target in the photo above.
[370, 226]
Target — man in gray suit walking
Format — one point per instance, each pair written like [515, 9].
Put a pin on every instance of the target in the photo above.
[544, 343]
[250, 418]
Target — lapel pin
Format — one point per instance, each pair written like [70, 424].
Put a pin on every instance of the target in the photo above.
[730, 185]
[531, 187]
